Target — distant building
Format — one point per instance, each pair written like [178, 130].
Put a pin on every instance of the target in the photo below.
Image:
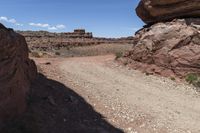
[79, 33]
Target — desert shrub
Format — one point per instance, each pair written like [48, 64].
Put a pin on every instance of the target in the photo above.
[125, 63]
[147, 74]
[118, 55]
[173, 79]
[37, 54]
[193, 79]
[68, 48]
[57, 53]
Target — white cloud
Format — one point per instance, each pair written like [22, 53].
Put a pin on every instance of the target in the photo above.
[12, 21]
[4, 19]
[60, 26]
[8, 20]
[52, 28]
[48, 26]
[18, 24]
[39, 25]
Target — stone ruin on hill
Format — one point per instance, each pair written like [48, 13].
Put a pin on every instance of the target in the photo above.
[79, 33]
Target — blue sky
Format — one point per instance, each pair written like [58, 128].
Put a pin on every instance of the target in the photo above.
[105, 18]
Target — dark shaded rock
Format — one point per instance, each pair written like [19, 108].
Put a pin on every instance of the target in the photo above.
[151, 11]
[16, 73]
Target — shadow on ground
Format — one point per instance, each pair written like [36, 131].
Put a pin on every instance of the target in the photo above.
[55, 108]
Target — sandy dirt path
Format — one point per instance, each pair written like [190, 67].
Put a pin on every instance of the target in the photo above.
[131, 100]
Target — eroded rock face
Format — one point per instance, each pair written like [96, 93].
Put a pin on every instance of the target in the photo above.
[151, 11]
[169, 49]
[16, 73]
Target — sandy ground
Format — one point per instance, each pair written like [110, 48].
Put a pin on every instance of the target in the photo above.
[128, 99]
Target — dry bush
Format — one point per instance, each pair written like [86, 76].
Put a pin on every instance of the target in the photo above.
[118, 55]
[193, 79]
[36, 54]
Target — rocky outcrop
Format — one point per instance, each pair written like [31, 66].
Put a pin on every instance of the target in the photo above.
[16, 73]
[151, 11]
[168, 45]
[170, 48]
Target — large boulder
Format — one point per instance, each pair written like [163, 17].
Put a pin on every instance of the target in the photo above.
[16, 73]
[151, 11]
[170, 48]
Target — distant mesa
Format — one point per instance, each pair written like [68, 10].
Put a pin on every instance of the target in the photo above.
[78, 33]
[45, 41]
[152, 11]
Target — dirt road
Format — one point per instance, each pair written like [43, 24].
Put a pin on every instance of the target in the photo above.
[130, 100]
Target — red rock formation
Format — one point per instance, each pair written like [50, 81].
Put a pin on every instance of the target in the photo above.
[171, 48]
[151, 11]
[16, 73]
